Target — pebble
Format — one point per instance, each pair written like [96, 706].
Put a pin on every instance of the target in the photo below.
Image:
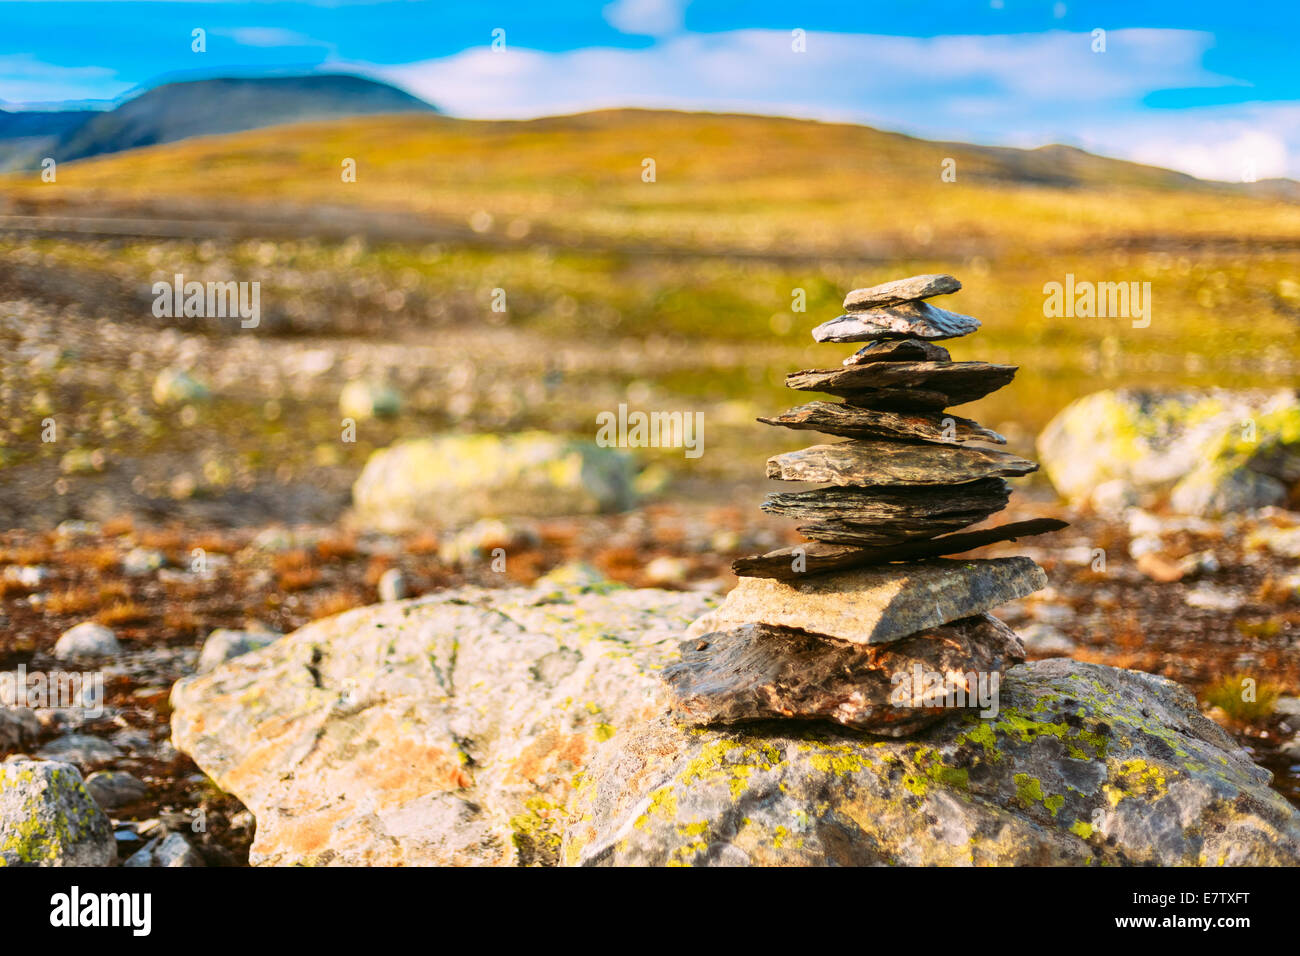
[116, 788]
[393, 585]
[87, 753]
[86, 640]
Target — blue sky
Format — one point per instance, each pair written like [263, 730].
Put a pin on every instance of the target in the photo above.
[1210, 88]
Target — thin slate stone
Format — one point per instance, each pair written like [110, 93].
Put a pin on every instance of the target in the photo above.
[909, 320]
[899, 291]
[864, 463]
[853, 421]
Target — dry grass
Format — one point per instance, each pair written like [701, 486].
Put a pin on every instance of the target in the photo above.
[124, 613]
[76, 600]
[340, 548]
[1232, 695]
[335, 602]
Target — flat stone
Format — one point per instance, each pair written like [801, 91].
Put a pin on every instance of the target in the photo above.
[86, 752]
[116, 788]
[757, 672]
[889, 515]
[957, 382]
[899, 350]
[876, 605]
[85, 640]
[854, 421]
[864, 463]
[899, 291]
[910, 320]
[818, 556]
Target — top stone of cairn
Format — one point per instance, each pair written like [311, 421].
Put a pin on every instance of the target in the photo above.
[899, 291]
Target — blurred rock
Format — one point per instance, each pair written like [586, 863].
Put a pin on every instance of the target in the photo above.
[1044, 639]
[1113, 497]
[224, 644]
[19, 727]
[28, 575]
[142, 561]
[364, 400]
[1284, 542]
[393, 586]
[116, 788]
[170, 850]
[666, 570]
[48, 819]
[87, 640]
[454, 479]
[477, 542]
[1208, 598]
[87, 753]
[174, 386]
[1206, 452]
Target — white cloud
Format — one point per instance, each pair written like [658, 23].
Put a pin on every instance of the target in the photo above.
[654, 18]
[268, 37]
[1022, 90]
[26, 80]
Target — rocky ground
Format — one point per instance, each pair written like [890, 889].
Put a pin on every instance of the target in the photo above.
[1227, 605]
[199, 483]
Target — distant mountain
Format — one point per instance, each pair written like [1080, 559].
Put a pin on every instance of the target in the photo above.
[176, 111]
[28, 135]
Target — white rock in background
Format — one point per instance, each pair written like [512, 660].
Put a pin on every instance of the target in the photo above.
[1187, 446]
[1209, 598]
[88, 639]
[225, 643]
[364, 400]
[1040, 638]
[392, 585]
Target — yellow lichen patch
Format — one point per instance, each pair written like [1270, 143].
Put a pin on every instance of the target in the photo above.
[731, 762]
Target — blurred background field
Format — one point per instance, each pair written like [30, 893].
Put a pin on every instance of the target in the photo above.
[672, 294]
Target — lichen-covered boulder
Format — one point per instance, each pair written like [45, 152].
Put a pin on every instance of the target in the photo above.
[1084, 764]
[48, 819]
[480, 726]
[1205, 452]
[451, 480]
[440, 730]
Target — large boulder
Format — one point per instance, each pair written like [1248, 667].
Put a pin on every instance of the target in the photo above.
[451, 480]
[482, 726]
[48, 819]
[445, 729]
[1203, 452]
[1084, 764]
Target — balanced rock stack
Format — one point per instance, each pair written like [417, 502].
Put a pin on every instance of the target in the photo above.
[867, 624]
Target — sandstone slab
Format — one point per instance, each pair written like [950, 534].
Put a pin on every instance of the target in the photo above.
[875, 605]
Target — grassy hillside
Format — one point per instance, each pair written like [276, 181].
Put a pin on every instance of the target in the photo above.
[753, 182]
[744, 210]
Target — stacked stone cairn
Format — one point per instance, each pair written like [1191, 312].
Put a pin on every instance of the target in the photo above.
[867, 624]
